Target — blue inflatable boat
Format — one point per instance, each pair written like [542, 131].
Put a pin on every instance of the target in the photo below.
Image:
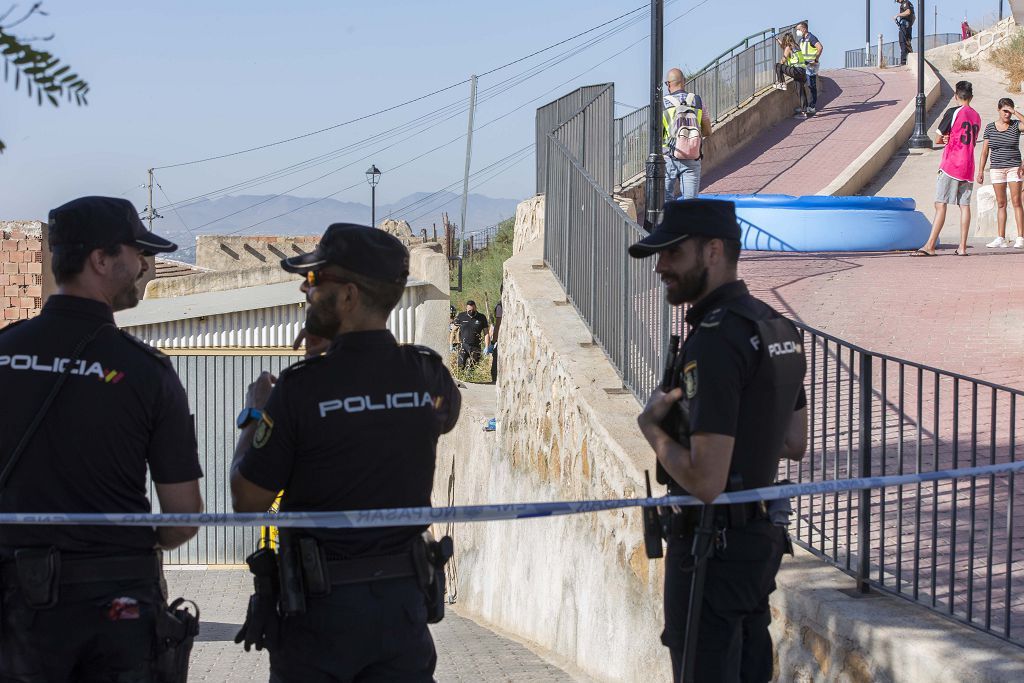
[777, 222]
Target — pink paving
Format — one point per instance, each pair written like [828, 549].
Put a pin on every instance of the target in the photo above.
[964, 315]
[854, 108]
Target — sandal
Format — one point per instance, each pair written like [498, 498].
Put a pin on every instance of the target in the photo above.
[921, 252]
[957, 252]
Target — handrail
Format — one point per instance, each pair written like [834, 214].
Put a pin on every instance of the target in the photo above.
[745, 43]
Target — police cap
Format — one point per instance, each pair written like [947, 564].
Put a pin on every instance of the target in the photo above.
[686, 217]
[370, 252]
[98, 222]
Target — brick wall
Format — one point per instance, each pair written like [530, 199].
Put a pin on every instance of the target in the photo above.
[22, 287]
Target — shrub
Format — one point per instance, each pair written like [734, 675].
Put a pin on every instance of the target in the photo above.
[960, 64]
[1010, 58]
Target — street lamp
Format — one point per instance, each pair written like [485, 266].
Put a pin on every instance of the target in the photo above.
[920, 139]
[373, 177]
[654, 185]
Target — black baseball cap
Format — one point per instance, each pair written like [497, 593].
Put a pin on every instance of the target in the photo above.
[686, 217]
[98, 222]
[370, 252]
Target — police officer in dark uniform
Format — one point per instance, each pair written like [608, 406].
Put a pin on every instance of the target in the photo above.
[742, 407]
[354, 429]
[88, 409]
[472, 325]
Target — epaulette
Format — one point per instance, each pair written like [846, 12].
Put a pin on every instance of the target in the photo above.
[714, 318]
[151, 351]
[304, 363]
[10, 325]
[424, 351]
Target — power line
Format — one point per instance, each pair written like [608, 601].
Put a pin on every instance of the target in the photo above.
[401, 104]
[488, 93]
[175, 210]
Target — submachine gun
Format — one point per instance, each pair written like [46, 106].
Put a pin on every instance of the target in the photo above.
[658, 522]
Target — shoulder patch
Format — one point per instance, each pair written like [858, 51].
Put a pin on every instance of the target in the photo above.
[151, 351]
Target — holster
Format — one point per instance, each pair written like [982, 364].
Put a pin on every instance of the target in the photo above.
[293, 593]
[429, 559]
[176, 631]
[38, 571]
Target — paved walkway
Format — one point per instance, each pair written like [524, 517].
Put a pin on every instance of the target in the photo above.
[854, 107]
[466, 650]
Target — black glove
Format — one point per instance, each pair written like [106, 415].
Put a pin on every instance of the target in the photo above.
[262, 624]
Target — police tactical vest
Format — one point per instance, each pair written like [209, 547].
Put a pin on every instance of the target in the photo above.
[774, 389]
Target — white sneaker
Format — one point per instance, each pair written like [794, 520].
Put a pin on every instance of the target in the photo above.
[1018, 243]
[1000, 243]
[780, 86]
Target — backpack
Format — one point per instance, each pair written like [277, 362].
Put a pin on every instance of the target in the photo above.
[684, 133]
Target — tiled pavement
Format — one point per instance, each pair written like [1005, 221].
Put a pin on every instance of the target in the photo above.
[802, 156]
[466, 650]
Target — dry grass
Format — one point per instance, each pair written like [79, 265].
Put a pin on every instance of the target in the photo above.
[961, 65]
[480, 373]
[1010, 58]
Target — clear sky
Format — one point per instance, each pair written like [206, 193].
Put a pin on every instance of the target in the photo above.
[176, 81]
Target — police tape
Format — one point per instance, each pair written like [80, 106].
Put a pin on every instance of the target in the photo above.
[390, 517]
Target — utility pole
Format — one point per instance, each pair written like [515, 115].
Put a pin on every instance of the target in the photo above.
[920, 139]
[1000, 10]
[654, 187]
[150, 211]
[469, 157]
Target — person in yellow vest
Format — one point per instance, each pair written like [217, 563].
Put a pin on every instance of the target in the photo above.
[793, 65]
[682, 162]
[811, 49]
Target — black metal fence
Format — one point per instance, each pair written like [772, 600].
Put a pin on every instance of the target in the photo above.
[948, 545]
[862, 57]
[952, 546]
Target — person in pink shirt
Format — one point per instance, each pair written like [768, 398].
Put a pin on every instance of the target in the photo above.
[958, 131]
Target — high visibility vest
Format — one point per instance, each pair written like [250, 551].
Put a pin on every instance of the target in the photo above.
[796, 58]
[668, 115]
[809, 51]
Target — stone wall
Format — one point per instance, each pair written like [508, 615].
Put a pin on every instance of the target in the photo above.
[529, 222]
[580, 586]
[231, 252]
[25, 276]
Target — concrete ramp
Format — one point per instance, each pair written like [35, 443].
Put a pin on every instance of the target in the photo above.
[803, 156]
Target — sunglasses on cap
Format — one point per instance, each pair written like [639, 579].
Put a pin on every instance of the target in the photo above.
[315, 278]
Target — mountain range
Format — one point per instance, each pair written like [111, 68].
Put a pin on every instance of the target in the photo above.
[289, 215]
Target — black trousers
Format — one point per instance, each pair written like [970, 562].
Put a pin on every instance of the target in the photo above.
[798, 74]
[99, 632]
[362, 632]
[733, 643]
[469, 355]
[906, 31]
[494, 365]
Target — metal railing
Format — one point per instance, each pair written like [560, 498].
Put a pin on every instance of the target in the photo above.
[891, 51]
[738, 74]
[949, 545]
[630, 152]
[725, 84]
[553, 115]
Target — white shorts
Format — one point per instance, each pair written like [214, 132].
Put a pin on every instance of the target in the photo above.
[1001, 176]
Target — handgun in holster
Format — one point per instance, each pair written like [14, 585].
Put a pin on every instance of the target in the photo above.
[429, 558]
[176, 631]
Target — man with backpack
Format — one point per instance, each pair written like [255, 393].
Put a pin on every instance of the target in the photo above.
[685, 125]
[905, 20]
